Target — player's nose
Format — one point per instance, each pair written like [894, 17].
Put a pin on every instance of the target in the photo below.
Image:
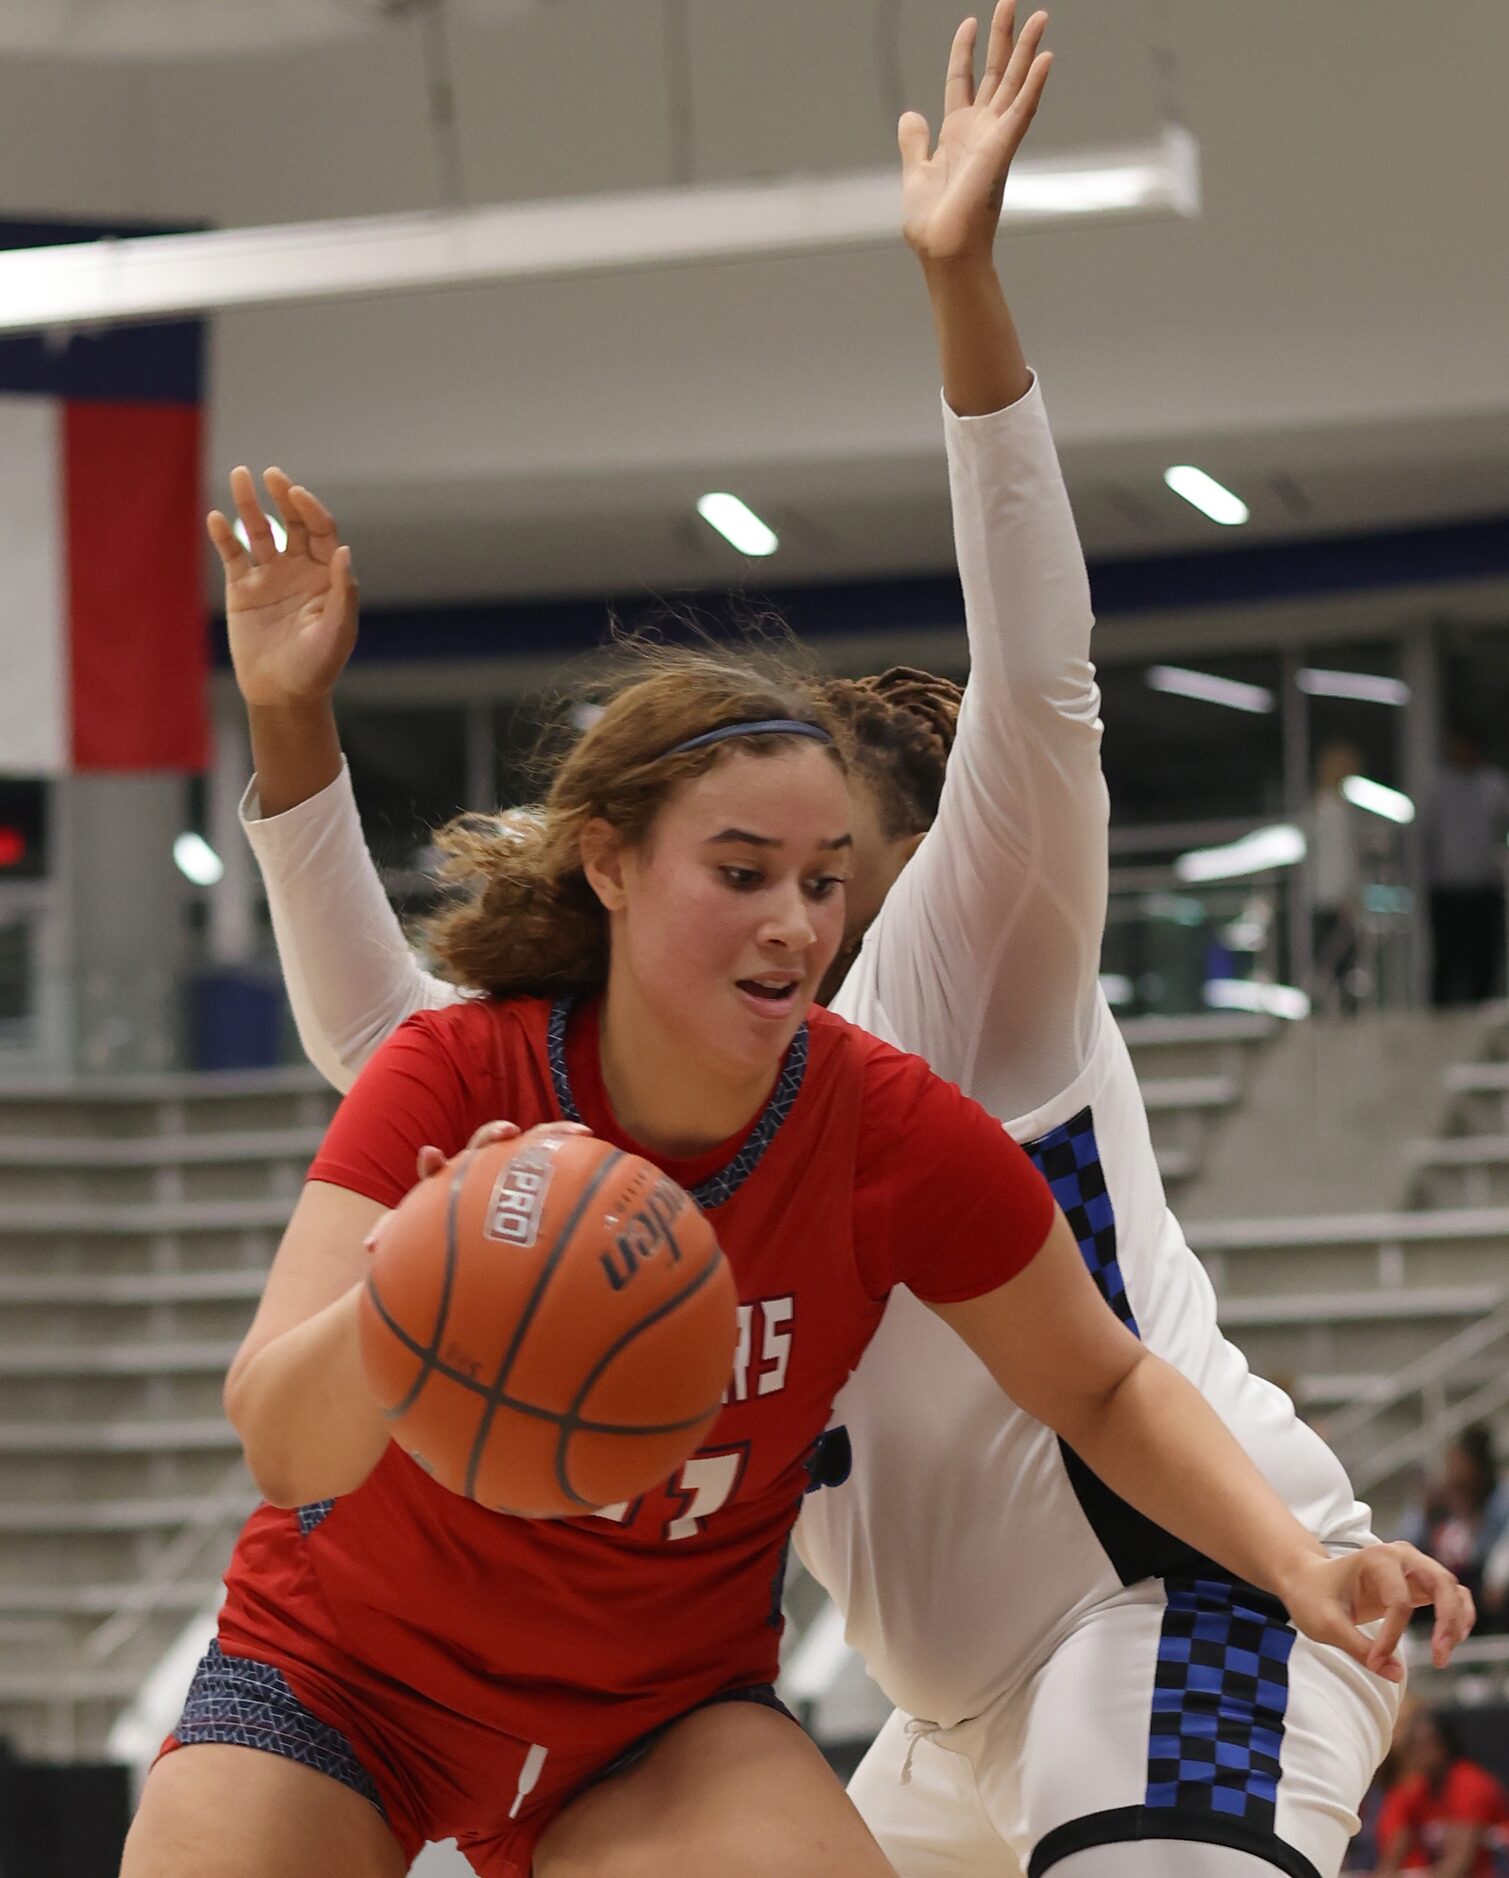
[788, 923]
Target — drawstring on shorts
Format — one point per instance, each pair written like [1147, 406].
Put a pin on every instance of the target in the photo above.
[916, 1730]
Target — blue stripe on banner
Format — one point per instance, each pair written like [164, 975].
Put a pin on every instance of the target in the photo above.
[1220, 1696]
[162, 363]
[1068, 1158]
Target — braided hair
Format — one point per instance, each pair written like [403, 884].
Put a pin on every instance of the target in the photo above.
[901, 724]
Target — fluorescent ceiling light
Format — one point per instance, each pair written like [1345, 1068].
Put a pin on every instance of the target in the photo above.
[1206, 494]
[198, 861]
[1363, 687]
[1378, 799]
[158, 276]
[1249, 994]
[279, 533]
[737, 523]
[1210, 689]
[1265, 848]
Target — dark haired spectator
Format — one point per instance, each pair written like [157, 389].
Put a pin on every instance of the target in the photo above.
[1464, 1511]
[1338, 853]
[1444, 1814]
[1464, 827]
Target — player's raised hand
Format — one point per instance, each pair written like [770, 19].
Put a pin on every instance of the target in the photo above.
[1379, 1584]
[291, 615]
[951, 195]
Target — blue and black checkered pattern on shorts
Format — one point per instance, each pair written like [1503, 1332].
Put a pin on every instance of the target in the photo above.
[241, 1703]
[1068, 1158]
[1219, 1699]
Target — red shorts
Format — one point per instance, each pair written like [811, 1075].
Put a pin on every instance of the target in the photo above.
[431, 1772]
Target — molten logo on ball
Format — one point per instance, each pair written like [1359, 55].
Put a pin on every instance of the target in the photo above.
[646, 1232]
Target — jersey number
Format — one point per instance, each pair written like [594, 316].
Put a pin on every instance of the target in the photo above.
[705, 1483]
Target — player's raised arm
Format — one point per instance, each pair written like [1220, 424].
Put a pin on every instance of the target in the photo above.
[1009, 889]
[292, 618]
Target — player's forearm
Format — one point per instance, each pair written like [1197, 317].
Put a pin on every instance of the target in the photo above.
[1158, 1443]
[296, 751]
[979, 353]
[309, 1426]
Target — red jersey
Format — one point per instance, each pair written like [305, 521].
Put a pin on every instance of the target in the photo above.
[1467, 1796]
[864, 1171]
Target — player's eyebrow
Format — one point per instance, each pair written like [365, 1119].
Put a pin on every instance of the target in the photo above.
[742, 837]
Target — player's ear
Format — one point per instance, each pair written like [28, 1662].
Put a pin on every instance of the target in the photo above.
[602, 852]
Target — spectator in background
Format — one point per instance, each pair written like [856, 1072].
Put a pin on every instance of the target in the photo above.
[1444, 1814]
[1338, 847]
[1464, 1512]
[1464, 827]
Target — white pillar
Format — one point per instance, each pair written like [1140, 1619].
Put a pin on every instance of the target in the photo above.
[233, 899]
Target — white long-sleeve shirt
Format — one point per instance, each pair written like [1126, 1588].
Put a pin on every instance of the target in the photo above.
[965, 1542]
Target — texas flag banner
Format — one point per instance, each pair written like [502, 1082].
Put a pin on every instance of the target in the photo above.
[104, 653]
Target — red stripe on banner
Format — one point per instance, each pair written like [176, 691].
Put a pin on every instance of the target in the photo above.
[137, 622]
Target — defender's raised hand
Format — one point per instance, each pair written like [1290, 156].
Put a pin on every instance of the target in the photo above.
[951, 196]
[291, 615]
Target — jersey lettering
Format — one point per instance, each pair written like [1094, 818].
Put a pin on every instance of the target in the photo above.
[776, 1346]
[775, 1349]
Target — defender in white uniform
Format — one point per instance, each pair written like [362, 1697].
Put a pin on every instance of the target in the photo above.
[1075, 1691]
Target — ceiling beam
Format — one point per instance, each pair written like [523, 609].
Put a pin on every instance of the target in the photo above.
[163, 276]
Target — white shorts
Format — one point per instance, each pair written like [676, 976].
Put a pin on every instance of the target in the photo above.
[1182, 1710]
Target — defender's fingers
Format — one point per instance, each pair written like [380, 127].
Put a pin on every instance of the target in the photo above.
[998, 51]
[280, 488]
[259, 536]
[316, 517]
[1023, 58]
[343, 593]
[233, 557]
[959, 88]
[1018, 115]
[1389, 1588]
[913, 139]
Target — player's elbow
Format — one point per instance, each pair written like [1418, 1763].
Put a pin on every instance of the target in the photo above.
[282, 1475]
[1094, 1405]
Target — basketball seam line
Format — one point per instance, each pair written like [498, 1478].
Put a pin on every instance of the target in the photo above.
[615, 1349]
[429, 1358]
[541, 1285]
[531, 1409]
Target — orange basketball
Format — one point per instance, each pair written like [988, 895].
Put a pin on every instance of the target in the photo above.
[549, 1326]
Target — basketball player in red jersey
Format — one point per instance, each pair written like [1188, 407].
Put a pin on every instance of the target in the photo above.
[592, 1697]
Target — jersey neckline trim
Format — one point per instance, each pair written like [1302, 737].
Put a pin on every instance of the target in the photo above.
[721, 1186]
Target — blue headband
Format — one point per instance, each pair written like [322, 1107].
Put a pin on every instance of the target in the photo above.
[766, 727]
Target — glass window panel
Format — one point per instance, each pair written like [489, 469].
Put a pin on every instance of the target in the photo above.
[1171, 758]
[1372, 726]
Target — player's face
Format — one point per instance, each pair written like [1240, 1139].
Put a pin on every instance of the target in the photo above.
[734, 907]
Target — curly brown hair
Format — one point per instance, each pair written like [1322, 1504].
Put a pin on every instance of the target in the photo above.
[524, 917]
[901, 725]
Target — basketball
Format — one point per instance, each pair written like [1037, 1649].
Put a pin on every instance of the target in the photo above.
[549, 1325]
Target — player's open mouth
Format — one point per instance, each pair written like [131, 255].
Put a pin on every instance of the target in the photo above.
[771, 997]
